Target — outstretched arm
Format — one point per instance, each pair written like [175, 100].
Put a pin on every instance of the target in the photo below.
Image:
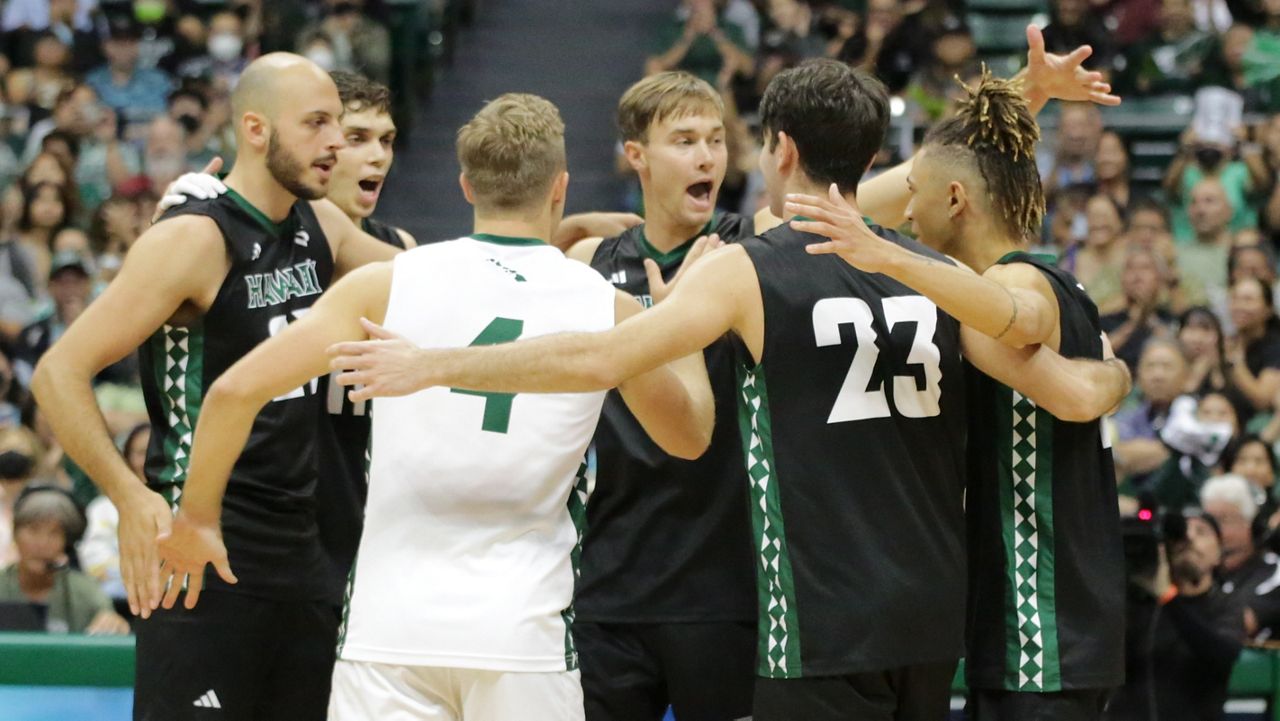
[709, 302]
[1076, 390]
[274, 368]
[672, 402]
[1046, 77]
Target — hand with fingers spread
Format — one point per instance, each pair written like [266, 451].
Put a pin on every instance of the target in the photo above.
[203, 185]
[660, 289]
[184, 551]
[143, 516]
[841, 221]
[385, 365]
[1062, 77]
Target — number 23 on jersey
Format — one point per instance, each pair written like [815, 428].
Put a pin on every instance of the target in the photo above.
[857, 401]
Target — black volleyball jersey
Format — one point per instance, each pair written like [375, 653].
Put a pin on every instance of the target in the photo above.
[853, 425]
[343, 447]
[268, 514]
[1046, 565]
[667, 539]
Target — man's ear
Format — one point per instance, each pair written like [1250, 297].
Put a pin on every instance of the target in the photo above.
[787, 153]
[957, 199]
[560, 188]
[636, 157]
[256, 129]
[467, 191]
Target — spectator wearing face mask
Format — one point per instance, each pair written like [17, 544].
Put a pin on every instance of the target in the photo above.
[19, 450]
[1199, 160]
[224, 58]
[190, 109]
[1195, 432]
[359, 43]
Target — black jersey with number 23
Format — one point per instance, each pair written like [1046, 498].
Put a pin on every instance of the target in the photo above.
[853, 426]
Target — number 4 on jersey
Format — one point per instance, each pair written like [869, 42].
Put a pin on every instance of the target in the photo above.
[497, 406]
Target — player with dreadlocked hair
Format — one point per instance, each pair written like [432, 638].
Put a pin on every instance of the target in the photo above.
[1045, 635]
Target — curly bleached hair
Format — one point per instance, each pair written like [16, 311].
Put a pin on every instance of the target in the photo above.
[993, 130]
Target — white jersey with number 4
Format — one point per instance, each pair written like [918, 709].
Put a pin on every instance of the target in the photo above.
[476, 501]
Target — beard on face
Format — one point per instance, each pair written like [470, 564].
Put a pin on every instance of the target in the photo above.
[288, 170]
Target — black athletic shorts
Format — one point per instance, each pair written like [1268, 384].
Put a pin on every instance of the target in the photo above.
[910, 693]
[236, 658]
[1081, 705]
[632, 672]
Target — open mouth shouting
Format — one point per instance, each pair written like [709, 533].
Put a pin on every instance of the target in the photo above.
[370, 189]
[699, 195]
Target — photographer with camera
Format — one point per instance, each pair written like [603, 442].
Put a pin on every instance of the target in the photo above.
[1183, 633]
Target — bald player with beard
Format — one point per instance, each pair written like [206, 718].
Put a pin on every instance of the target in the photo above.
[251, 261]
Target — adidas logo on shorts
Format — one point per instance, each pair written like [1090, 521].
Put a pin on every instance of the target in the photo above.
[208, 700]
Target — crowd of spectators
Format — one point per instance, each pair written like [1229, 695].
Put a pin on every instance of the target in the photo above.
[102, 104]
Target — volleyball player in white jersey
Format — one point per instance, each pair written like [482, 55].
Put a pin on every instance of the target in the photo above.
[460, 602]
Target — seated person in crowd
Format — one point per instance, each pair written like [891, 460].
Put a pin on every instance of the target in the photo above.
[46, 522]
[705, 44]
[1162, 370]
[1205, 258]
[1145, 284]
[1253, 357]
[1096, 262]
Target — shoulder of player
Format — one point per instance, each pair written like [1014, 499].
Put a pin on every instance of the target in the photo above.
[584, 251]
[406, 237]
[198, 236]
[187, 250]
[733, 227]
[580, 269]
[765, 220]
[369, 281]
[335, 223]
[1021, 275]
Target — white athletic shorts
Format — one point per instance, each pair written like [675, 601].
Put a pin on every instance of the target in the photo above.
[364, 691]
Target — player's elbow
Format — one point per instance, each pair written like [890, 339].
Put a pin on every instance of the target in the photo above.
[1031, 329]
[599, 373]
[49, 374]
[1077, 405]
[232, 389]
[1071, 410]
